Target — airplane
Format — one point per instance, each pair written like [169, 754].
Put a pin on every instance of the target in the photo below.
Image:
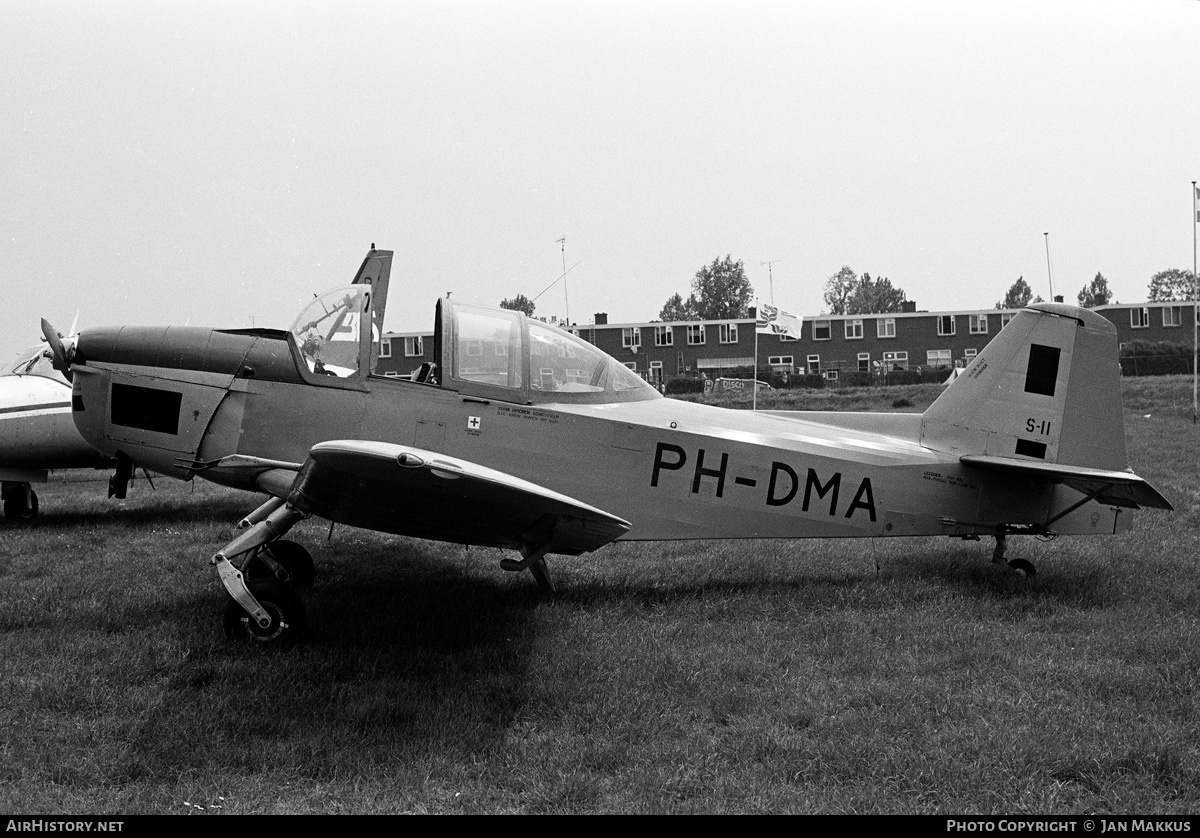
[37, 432]
[528, 438]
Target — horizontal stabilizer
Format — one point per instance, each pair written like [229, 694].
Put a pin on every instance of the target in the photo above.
[1120, 488]
[409, 491]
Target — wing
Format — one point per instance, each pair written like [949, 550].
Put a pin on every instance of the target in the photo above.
[1119, 488]
[408, 491]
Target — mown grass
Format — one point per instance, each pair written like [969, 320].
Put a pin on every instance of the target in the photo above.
[896, 676]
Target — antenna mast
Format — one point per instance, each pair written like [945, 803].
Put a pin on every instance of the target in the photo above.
[566, 298]
[771, 277]
[1049, 275]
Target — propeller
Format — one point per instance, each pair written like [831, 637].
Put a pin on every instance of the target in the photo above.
[62, 352]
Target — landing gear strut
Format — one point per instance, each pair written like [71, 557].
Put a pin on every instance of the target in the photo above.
[259, 571]
[1021, 566]
[118, 483]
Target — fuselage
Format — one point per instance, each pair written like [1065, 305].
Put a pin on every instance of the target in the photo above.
[173, 398]
[36, 428]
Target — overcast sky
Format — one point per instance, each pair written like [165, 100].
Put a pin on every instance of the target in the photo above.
[217, 163]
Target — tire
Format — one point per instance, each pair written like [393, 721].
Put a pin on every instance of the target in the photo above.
[295, 560]
[15, 509]
[1023, 566]
[282, 604]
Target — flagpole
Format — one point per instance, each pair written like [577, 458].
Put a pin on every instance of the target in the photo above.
[754, 372]
[1195, 303]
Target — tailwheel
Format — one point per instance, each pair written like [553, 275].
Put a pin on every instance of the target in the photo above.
[1023, 567]
[21, 507]
[296, 561]
[287, 619]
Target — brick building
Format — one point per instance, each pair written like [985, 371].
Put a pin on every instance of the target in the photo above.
[829, 345]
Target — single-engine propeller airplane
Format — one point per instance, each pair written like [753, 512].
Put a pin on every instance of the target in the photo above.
[526, 437]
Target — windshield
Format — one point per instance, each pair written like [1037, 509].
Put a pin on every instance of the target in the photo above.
[35, 361]
[327, 330]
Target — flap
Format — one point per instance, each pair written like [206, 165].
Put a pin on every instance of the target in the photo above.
[408, 491]
[1120, 488]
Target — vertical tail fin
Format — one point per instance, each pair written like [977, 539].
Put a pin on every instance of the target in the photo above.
[1046, 389]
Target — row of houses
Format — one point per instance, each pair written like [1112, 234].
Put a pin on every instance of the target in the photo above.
[829, 345]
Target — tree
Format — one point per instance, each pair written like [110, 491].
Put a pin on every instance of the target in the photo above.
[519, 303]
[839, 288]
[876, 296]
[677, 309]
[720, 291]
[1019, 295]
[847, 293]
[1096, 294]
[1171, 284]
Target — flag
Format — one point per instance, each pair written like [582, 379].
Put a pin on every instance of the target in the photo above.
[1194, 200]
[775, 321]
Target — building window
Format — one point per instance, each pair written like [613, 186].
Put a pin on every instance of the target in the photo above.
[1005, 319]
[895, 361]
[938, 358]
[977, 324]
[631, 365]
[864, 361]
[945, 325]
[695, 334]
[414, 347]
[728, 333]
[821, 330]
[814, 364]
[1139, 318]
[885, 327]
[631, 338]
[854, 330]
[1172, 316]
[781, 361]
[970, 353]
[664, 336]
[656, 372]
[831, 375]
[385, 347]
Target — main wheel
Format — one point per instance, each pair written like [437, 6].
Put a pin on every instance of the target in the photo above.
[295, 560]
[17, 511]
[1023, 566]
[283, 606]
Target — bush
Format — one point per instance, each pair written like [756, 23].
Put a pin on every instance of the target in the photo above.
[684, 384]
[1144, 357]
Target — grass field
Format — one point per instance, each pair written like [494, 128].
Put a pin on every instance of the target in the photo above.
[881, 676]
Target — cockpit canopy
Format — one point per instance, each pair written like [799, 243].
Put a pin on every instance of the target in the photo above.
[510, 356]
[327, 330]
[490, 353]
